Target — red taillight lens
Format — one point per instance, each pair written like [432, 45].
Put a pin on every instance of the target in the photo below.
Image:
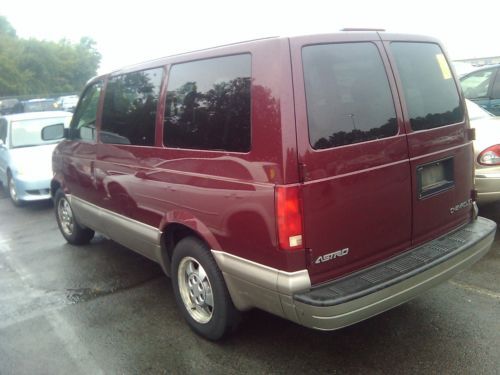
[490, 156]
[289, 217]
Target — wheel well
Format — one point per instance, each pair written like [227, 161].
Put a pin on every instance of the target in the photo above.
[54, 186]
[171, 236]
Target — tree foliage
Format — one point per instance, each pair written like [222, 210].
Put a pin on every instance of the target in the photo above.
[38, 67]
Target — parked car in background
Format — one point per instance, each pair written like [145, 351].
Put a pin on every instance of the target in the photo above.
[482, 86]
[34, 105]
[25, 159]
[7, 106]
[66, 103]
[486, 153]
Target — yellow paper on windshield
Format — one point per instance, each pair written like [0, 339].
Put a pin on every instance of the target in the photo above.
[443, 64]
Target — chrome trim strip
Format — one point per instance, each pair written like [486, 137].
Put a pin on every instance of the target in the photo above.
[137, 236]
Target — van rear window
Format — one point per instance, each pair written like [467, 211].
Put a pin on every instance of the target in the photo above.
[430, 91]
[208, 104]
[348, 95]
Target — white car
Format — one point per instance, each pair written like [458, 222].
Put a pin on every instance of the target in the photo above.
[486, 152]
[26, 159]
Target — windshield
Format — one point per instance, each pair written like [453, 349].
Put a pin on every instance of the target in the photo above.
[26, 133]
[476, 112]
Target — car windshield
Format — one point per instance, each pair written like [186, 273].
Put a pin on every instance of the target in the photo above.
[25, 133]
[476, 112]
[475, 85]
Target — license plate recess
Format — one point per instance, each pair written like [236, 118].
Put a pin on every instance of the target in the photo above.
[435, 177]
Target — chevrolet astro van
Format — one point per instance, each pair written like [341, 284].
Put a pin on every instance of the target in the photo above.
[324, 179]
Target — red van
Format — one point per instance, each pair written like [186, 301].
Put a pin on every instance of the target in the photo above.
[324, 179]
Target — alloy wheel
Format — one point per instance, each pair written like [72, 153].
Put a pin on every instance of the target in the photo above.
[65, 215]
[195, 290]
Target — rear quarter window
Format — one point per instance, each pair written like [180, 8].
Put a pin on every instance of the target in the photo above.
[348, 95]
[430, 91]
[208, 104]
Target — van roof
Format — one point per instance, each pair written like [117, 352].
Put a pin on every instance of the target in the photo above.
[376, 32]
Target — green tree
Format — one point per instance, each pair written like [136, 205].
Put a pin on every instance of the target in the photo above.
[6, 28]
[34, 67]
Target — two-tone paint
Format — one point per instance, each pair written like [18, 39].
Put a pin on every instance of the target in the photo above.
[362, 196]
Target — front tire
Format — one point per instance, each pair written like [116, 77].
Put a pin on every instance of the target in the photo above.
[73, 232]
[200, 291]
[11, 187]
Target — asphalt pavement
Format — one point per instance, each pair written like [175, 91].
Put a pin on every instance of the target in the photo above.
[102, 309]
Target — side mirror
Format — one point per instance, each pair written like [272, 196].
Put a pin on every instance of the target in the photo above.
[53, 132]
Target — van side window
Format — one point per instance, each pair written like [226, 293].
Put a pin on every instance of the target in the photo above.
[83, 122]
[129, 113]
[429, 87]
[208, 104]
[348, 95]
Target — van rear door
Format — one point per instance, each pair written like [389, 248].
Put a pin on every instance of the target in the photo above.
[353, 153]
[440, 150]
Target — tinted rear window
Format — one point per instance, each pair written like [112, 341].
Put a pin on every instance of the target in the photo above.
[348, 95]
[208, 104]
[431, 94]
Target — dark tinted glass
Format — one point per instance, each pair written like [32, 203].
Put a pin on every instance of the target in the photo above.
[208, 104]
[348, 95]
[83, 122]
[129, 112]
[431, 94]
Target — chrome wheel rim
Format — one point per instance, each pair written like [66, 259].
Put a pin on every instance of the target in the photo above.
[65, 215]
[12, 190]
[195, 290]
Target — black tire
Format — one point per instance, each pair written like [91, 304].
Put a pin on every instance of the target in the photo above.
[11, 189]
[73, 232]
[212, 318]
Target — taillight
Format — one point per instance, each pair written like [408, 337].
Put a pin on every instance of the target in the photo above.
[490, 156]
[289, 217]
